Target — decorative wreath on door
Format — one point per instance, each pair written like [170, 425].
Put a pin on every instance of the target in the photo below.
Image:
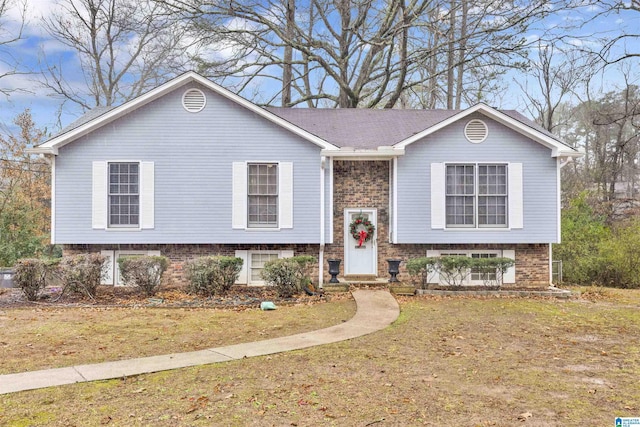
[361, 229]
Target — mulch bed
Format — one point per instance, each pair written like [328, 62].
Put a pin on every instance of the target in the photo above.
[239, 297]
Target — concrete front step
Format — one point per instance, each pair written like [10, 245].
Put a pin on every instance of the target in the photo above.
[360, 277]
[348, 282]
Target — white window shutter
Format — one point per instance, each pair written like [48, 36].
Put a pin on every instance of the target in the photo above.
[438, 181]
[509, 275]
[287, 253]
[285, 194]
[435, 276]
[107, 279]
[147, 196]
[239, 202]
[244, 272]
[99, 195]
[516, 211]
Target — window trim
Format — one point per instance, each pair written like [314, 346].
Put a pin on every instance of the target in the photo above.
[250, 255]
[239, 197]
[476, 225]
[123, 227]
[264, 226]
[112, 278]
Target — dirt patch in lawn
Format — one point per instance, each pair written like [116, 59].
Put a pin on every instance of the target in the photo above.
[237, 297]
[444, 362]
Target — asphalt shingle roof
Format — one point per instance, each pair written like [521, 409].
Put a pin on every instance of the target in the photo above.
[358, 128]
[371, 128]
[362, 128]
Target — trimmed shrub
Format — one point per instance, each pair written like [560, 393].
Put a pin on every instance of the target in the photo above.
[212, 275]
[454, 270]
[143, 272]
[288, 275]
[491, 269]
[420, 269]
[30, 276]
[82, 273]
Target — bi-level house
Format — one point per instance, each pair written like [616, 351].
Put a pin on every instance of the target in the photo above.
[191, 169]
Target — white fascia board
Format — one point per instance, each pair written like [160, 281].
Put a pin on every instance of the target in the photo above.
[557, 148]
[381, 153]
[117, 112]
[42, 150]
[51, 146]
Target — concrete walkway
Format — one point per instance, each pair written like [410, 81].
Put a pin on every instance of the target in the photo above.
[376, 309]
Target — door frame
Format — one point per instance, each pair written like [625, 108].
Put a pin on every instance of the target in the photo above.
[373, 213]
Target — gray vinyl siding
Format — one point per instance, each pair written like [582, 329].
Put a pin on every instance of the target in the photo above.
[193, 156]
[502, 145]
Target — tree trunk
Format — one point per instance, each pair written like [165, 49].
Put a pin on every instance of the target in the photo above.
[288, 54]
[451, 54]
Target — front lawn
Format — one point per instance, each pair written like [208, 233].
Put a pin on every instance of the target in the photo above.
[445, 362]
[49, 337]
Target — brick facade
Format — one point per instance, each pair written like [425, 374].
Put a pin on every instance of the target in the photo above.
[365, 184]
[179, 254]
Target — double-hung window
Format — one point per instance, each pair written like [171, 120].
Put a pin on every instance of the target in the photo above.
[477, 274]
[124, 195]
[262, 192]
[476, 195]
[258, 260]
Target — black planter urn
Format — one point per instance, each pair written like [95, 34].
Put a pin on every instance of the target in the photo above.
[334, 269]
[394, 269]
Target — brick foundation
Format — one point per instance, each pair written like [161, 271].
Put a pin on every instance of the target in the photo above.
[179, 254]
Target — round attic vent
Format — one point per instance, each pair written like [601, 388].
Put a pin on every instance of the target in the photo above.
[194, 100]
[476, 131]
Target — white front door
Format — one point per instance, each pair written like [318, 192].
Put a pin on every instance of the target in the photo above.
[360, 258]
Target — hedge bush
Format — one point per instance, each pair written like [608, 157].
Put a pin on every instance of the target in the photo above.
[82, 273]
[288, 275]
[421, 269]
[455, 270]
[212, 275]
[143, 272]
[492, 269]
[30, 276]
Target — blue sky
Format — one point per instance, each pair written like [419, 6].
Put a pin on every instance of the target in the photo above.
[49, 112]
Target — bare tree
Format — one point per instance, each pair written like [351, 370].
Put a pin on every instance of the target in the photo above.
[626, 39]
[10, 32]
[607, 128]
[365, 53]
[555, 76]
[125, 47]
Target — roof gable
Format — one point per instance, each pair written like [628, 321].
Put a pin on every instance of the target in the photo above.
[511, 119]
[102, 116]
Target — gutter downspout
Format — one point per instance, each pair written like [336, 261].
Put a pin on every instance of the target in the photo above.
[323, 160]
[562, 162]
